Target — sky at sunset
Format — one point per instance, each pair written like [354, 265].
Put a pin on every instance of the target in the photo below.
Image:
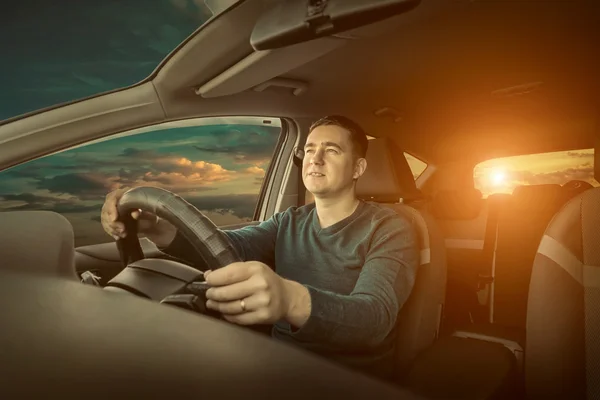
[55, 52]
[218, 168]
[503, 175]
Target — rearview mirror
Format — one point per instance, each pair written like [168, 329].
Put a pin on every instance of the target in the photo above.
[290, 22]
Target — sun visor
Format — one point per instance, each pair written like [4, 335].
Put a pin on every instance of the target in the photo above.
[262, 69]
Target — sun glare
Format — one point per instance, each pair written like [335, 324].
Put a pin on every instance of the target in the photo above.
[498, 177]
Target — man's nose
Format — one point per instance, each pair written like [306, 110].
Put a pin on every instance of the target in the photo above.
[317, 157]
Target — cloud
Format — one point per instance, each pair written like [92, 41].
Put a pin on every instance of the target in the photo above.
[86, 186]
[174, 163]
[68, 162]
[248, 147]
[583, 172]
[580, 154]
[27, 201]
[242, 205]
[177, 174]
[175, 182]
[255, 170]
[90, 186]
[91, 178]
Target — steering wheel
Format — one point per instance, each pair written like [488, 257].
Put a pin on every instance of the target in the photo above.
[163, 280]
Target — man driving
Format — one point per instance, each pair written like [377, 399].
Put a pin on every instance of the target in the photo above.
[330, 276]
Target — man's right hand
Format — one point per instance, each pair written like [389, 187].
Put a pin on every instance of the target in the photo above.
[158, 230]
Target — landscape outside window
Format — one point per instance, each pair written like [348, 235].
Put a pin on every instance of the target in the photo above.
[502, 175]
[218, 167]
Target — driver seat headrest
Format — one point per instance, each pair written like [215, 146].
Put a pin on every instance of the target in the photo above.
[388, 177]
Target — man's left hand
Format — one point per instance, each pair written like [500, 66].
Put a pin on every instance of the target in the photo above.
[248, 293]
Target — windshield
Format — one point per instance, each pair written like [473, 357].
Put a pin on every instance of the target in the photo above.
[59, 51]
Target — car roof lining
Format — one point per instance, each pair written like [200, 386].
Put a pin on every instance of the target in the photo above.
[438, 65]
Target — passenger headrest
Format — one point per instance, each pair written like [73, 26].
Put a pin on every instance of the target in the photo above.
[387, 178]
[457, 204]
[538, 196]
[40, 242]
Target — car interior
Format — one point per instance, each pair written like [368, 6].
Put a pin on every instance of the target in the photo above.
[505, 298]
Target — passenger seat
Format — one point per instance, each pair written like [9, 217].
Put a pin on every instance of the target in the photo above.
[462, 220]
[38, 242]
[521, 226]
[464, 364]
[516, 224]
[563, 323]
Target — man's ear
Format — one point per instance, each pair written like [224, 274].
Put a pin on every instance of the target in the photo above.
[360, 167]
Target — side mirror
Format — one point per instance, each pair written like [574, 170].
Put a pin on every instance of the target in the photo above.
[291, 22]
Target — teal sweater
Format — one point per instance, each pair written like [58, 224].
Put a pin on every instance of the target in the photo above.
[359, 272]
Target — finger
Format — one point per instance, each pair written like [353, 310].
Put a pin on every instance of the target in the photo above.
[117, 228]
[250, 318]
[111, 227]
[136, 214]
[227, 308]
[110, 207]
[232, 273]
[110, 204]
[234, 307]
[109, 215]
[235, 291]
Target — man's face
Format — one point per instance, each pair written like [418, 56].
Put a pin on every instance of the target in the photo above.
[329, 166]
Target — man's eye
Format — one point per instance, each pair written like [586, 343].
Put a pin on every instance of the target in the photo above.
[309, 151]
[332, 151]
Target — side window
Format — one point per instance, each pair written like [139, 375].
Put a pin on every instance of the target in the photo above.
[502, 175]
[416, 166]
[217, 164]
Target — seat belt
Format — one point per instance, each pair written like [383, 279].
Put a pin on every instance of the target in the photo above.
[301, 188]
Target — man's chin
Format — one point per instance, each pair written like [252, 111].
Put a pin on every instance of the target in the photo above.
[316, 190]
[320, 194]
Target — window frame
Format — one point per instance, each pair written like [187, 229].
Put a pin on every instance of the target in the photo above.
[265, 193]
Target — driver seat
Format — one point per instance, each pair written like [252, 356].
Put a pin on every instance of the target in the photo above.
[388, 180]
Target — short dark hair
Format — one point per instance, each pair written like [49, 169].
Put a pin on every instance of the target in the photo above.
[358, 137]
